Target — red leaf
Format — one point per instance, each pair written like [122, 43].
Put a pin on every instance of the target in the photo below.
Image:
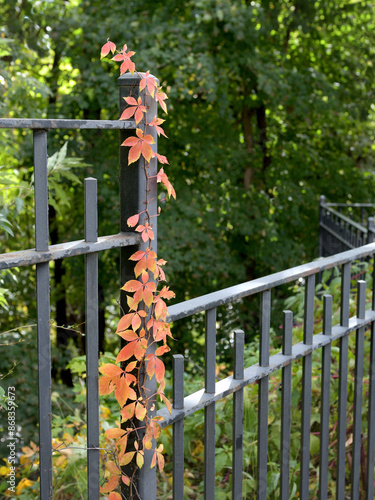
[161, 158]
[162, 177]
[133, 220]
[160, 98]
[107, 48]
[148, 81]
[155, 123]
[127, 62]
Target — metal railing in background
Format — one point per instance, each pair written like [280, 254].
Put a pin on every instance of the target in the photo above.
[343, 226]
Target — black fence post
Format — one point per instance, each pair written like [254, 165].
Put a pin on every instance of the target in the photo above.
[370, 229]
[321, 230]
[132, 197]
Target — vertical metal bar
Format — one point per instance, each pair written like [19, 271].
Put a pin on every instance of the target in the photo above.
[92, 341]
[178, 427]
[41, 190]
[307, 387]
[238, 412]
[371, 422]
[286, 404]
[343, 381]
[358, 387]
[210, 413]
[370, 229]
[325, 404]
[264, 356]
[43, 313]
[321, 230]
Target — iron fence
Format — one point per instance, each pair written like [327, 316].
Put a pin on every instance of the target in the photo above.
[339, 232]
[260, 373]
[131, 189]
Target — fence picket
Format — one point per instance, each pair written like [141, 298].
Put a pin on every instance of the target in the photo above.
[92, 341]
[210, 410]
[43, 313]
[286, 404]
[325, 404]
[178, 428]
[238, 413]
[264, 355]
[358, 381]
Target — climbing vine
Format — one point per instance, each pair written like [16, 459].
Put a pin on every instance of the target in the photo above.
[144, 328]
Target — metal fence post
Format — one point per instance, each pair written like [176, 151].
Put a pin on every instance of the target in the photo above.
[132, 196]
[321, 230]
[370, 229]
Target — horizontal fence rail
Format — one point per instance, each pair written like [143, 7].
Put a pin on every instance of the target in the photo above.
[243, 376]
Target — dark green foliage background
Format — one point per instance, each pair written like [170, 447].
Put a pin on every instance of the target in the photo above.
[270, 106]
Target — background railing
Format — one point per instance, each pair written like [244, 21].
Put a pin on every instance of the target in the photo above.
[343, 226]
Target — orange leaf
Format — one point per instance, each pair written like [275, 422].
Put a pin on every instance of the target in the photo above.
[112, 467]
[132, 286]
[114, 496]
[111, 484]
[135, 153]
[124, 322]
[110, 370]
[162, 350]
[105, 385]
[114, 433]
[127, 412]
[130, 367]
[122, 391]
[137, 255]
[126, 352]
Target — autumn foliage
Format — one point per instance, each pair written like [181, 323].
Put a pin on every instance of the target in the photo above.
[145, 324]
